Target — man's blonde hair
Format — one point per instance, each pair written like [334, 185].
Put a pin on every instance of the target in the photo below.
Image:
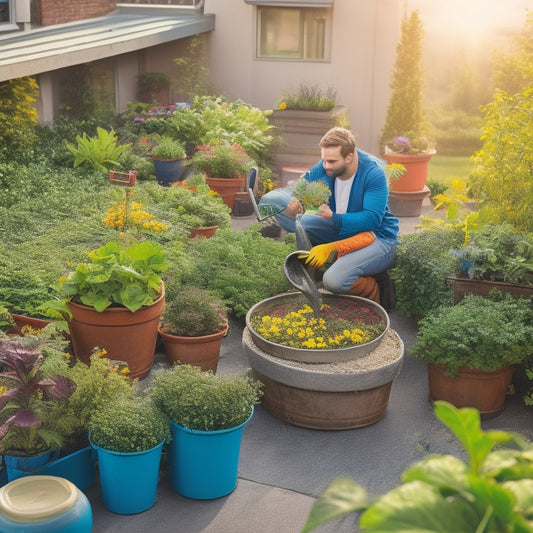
[339, 137]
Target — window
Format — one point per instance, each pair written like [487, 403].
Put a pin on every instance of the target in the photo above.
[292, 33]
[4, 11]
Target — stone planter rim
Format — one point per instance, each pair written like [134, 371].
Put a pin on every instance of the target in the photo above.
[313, 379]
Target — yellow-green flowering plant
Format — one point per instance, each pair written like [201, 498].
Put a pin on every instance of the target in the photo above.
[302, 329]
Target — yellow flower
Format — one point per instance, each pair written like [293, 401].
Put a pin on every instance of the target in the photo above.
[283, 105]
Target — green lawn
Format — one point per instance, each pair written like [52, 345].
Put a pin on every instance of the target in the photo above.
[444, 168]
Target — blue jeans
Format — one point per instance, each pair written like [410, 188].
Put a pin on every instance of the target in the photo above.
[344, 272]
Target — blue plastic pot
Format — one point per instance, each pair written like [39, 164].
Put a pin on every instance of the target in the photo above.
[64, 509]
[18, 465]
[128, 481]
[78, 467]
[168, 170]
[204, 464]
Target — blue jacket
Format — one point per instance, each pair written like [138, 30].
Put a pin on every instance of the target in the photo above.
[368, 208]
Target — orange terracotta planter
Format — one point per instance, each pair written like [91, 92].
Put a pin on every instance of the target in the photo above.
[206, 232]
[197, 351]
[471, 388]
[126, 336]
[416, 171]
[227, 187]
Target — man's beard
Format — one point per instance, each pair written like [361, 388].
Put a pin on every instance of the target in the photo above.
[336, 173]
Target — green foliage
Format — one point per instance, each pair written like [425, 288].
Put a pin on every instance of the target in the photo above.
[311, 194]
[185, 207]
[486, 333]
[168, 148]
[18, 118]
[423, 264]
[99, 152]
[192, 70]
[149, 83]
[242, 267]
[404, 112]
[128, 425]
[513, 70]
[222, 161]
[202, 400]
[441, 493]
[499, 253]
[309, 98]
[502, 178]
[436, 187]
[128, 276]
[193, 312]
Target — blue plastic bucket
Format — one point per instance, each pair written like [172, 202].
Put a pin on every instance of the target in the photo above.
[128, 481]
[204, 464]
[44, 504]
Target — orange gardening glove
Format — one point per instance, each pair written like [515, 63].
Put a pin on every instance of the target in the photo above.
[322, 253]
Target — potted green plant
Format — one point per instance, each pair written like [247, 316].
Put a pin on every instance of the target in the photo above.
[169, 158]
[31, 430]
[496, 256]
[472, 349]
[192, 327]
[403, 138]
[208, 413]
[114, 301]
[128, 435]
[443, 492]
[225, 167]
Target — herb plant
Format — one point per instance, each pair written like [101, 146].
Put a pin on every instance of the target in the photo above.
[311, 194]
[202, 400]
[168, 148]
[309, 98]
[486, 333]
[492, 492]
[222, 161]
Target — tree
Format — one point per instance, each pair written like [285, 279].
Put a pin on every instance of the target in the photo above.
[404, 113]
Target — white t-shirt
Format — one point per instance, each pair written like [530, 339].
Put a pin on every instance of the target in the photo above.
[342, 194]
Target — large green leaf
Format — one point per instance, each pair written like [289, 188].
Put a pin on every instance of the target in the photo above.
[341, 497]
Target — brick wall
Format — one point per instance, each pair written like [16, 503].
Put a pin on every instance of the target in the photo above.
[60, 11]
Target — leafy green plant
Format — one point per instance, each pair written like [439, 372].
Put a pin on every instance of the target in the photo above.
[202, 400]
[404, 113]
[193, 312]
[485, 333]
[423, 264]
[502, 177]
[127, 276]
[29, 402]
[149, 83]
[222, 161]
[128, 424]
[168, 148]
[309, 98]
[498, 253]
[311, 194]
[242, 267]
[436, 187]
[97, 384]
[100, 152]
[492, 492]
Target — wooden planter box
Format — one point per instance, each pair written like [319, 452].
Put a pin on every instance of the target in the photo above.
[464, 286]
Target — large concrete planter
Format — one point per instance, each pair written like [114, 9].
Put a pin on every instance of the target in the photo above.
[343, 394]
[301, 132]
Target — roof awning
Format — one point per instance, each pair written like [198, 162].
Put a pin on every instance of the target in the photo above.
[53, 47]
[291, 3]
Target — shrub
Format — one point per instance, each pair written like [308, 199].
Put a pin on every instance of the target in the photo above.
[309, 98]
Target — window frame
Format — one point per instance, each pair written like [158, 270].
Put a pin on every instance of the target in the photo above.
[304, 13]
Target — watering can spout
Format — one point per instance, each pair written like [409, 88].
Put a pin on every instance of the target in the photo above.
[298, 276]
[302, 240]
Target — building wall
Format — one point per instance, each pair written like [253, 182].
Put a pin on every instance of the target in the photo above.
[61, 11]
[363, 44]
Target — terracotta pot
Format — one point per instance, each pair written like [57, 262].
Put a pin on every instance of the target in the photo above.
[471, 388]
[126, 336]
[416, 167]
[206, 232]
[464, 286]
[227, 187]
[22, 320]
[198, 351]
